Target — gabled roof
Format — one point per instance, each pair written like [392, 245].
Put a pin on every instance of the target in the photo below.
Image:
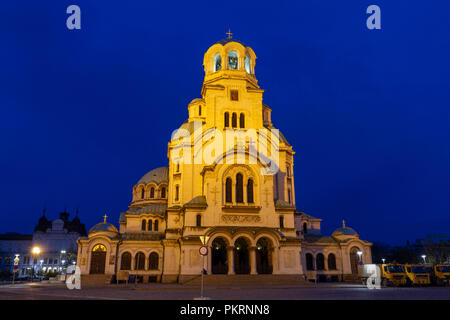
[281, 204]
[151, 208]
[199, 201]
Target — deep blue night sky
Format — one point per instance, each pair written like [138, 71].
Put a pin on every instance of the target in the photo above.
[367, 112]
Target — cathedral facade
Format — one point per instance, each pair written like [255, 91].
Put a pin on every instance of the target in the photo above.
[229, 185]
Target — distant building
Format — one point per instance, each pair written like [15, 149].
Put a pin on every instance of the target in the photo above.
[56, 240]
[12, 245]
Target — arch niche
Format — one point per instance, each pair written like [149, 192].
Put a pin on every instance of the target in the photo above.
[219, 259]
[264, 259]
[241, 256]
[98, 259]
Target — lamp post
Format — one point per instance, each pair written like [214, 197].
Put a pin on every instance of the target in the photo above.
[203, 251]
[61, 262]
[423, 257]
[359, 255]
[384, 260]
[35, 252]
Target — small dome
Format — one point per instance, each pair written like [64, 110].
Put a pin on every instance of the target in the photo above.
[345, 231]
[104, 226]
[157, 176]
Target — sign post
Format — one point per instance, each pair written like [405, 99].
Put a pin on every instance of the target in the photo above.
[203, 250]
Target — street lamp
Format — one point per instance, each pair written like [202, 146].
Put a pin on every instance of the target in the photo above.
[423, 257]
[61, 262]
[35, 252]
[384, 260]
[359, 253]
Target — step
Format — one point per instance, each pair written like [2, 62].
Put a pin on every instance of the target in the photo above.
[246, 279]
[95, 279]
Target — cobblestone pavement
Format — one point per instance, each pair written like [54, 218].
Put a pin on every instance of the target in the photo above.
[38, 291]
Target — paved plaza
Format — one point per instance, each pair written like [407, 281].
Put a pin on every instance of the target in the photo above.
[36, 291]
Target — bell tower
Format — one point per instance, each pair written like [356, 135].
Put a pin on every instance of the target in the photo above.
[230, 89]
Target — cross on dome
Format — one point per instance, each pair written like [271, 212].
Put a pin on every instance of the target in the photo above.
[104, 217]
[229, 34]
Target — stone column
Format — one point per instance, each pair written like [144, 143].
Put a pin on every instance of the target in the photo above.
[273, 261]
[253, 260]
[230, 259]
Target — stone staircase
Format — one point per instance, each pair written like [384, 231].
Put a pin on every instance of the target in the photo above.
[95, 279]
[246, 279]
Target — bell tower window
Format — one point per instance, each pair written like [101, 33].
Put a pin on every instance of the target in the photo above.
[242, 120]
[247, 65]
[234, 120]
[217, 62]
[233, 60]
[227, 119]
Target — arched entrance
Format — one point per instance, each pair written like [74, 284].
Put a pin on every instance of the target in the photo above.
[264, 256]
[98, 259]
[219, 260]
[354, 259]
[241, 256]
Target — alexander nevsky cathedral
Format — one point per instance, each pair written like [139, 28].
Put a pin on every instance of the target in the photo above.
[229, 185]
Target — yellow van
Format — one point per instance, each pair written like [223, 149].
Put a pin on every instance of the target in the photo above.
[442, 274]
[418, 274]
[393, 275]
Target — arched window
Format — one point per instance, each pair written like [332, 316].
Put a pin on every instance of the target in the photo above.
[153, 261]
[217, 62]
[177, 192]
[242, 120]
[199, 110]
[305, 228]
[228, 190]
[155, 225]
[139, 261]
[250, 191]
[199, 221]
[233, 60]
[152, 192]
[143, 225]
[331, 262]
[309, 262]
[239, 188]
[234, 120]
[227, 119]
[247, 65]
[320, 262]
[125, 262]
[149, 225]
[163, 192]
[281, 222]
[142, 193]
[178, 167]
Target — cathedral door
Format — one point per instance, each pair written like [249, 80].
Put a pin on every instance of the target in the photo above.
[98, 259]
[241, 257]
[354, 260]
[264, 256]
[219, 264]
